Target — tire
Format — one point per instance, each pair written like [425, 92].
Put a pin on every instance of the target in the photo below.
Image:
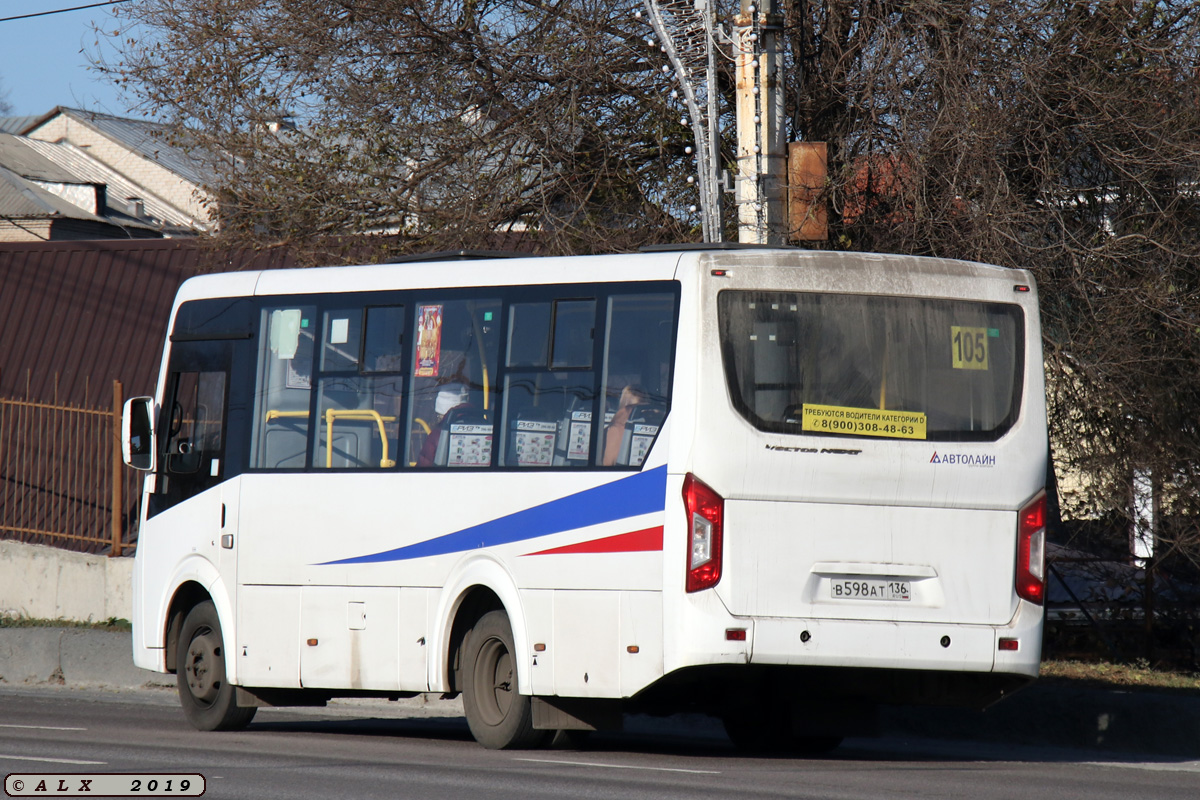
[769, 731]
[500, 718]
[209, 702]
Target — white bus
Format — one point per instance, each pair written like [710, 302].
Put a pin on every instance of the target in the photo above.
[782, 487]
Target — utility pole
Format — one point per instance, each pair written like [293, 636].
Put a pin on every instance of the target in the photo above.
[686, 31]
[762, 149]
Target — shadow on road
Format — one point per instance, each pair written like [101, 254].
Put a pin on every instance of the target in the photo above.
[690, 737]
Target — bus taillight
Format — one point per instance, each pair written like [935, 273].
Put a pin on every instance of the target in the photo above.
[706, 515]
[1031, 551]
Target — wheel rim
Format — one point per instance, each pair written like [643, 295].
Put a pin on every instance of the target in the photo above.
[495, 681]
[203, 668]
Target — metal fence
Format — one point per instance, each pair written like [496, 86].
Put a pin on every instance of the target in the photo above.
[62, 481]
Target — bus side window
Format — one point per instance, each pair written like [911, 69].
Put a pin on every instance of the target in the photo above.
[639, 335]
[455, 351]
[359, 388]
[194, 435]
[285, 364]
[549, 385]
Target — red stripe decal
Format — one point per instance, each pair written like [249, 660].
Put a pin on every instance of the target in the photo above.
[633, 542]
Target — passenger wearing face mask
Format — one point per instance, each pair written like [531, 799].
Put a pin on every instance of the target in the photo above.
[449, 397]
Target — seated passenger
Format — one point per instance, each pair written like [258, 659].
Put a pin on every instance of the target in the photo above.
[449, 397]
[630, 396]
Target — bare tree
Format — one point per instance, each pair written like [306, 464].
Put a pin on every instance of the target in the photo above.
[450, 121]
[5, 106]
[1063, 136]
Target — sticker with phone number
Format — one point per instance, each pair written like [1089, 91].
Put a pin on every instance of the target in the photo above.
[863, 421]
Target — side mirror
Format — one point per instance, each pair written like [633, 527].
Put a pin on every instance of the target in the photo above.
[137, 433]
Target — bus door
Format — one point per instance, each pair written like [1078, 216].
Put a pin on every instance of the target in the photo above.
[192, 462]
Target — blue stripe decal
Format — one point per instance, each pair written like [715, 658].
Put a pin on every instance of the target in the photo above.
[639, 494]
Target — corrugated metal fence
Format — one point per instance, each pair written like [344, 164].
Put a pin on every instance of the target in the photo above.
[69, 310]
[62, 481]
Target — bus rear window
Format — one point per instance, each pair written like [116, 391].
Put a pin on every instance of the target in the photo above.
[861, 365]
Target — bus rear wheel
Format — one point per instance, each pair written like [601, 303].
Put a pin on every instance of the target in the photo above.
[209, 701]
[500, 718]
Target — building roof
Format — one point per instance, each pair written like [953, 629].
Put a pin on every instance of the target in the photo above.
[34, 187]
[89, 170]
[56, 181]
[148, 139]
[17, 124]
[24, 200]
[18, 156]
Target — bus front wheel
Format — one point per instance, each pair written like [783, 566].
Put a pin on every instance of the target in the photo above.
[209, 701]
[499, 716]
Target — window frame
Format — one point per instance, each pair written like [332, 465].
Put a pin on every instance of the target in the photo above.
[600, 293]
[732, 383]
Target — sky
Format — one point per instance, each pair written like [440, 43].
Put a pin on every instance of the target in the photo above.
[41, 65]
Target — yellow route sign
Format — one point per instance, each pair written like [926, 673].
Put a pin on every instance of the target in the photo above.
[968, 347]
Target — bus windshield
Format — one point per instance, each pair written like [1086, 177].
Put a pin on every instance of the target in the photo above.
[865, 365]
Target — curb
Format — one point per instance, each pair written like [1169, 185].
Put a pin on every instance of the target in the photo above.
[1043, 715]
[73, 657]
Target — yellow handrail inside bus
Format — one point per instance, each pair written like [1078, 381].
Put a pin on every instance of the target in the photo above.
[356, 414]
[478, 334]
[274, 414]
[883, 379]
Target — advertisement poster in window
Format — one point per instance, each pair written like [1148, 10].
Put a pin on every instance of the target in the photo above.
[534, 443]
[429, 340]
[580, 442]
[470, 446]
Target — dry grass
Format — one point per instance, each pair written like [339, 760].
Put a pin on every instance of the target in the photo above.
[110, 624]
[1119, 676]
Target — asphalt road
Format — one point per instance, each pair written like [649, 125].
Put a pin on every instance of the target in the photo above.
[376, 751]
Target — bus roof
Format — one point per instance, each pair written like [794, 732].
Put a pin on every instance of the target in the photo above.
[439, 273]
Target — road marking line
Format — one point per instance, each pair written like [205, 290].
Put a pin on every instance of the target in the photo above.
[52, 760]
[42, 727]
[1151, 766]
[619, 766]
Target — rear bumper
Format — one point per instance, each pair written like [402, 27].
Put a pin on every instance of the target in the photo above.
[838, 665]
[901, 645]
[910, 662]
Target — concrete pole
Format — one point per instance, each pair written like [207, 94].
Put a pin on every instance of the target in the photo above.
[762, 149]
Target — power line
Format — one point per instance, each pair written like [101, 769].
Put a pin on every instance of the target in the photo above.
[63, 10]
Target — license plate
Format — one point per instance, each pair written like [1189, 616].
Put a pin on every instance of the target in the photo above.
[870, 589]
